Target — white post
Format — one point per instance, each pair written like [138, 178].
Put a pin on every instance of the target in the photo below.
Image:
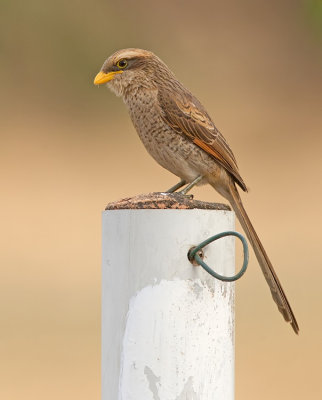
[167, 326]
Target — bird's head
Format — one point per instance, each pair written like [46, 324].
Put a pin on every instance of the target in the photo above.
[132, 68]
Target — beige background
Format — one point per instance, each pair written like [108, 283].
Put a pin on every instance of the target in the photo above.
[68, 148]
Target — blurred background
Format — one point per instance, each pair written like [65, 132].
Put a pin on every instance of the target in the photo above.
[68, 148]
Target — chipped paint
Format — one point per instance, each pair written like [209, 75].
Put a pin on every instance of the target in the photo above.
[177, 330]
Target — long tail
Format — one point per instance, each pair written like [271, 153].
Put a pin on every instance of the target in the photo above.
[270, 275]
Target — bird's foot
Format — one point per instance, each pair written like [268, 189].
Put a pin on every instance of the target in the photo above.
[187, 196]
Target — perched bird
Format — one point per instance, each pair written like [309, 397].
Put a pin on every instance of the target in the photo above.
[180, 135]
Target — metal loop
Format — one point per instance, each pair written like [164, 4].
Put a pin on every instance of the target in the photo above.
[193, 255]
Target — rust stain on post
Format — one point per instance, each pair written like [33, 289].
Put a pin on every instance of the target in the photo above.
[157, 200]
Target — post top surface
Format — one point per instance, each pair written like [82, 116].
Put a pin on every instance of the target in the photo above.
[158, 200]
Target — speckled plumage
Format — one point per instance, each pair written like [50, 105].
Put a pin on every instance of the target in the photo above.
[179, 134]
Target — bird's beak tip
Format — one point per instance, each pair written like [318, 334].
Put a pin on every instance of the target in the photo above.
[99, 78]
[102, 77]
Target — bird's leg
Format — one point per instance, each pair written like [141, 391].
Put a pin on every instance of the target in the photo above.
[191, 185]
[176, 187]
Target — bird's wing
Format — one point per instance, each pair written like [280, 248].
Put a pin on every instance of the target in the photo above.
[185, 115]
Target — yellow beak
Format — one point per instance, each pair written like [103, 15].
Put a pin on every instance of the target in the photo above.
[102, 77]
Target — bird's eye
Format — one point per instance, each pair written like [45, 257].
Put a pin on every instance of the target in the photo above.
[122, 63]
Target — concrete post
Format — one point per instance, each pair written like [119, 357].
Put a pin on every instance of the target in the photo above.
[167, 326]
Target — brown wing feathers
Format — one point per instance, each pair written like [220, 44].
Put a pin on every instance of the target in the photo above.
[187, 116]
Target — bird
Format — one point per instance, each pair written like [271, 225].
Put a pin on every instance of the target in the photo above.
[179, 134]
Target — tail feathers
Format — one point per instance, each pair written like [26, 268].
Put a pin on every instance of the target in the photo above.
[270, 275]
